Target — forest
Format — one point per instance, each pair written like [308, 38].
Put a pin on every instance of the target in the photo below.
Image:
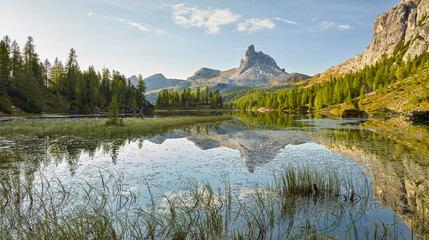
[188, 99]
[350, 88]
[34, 85]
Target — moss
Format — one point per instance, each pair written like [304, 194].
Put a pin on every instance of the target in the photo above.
[421, 22]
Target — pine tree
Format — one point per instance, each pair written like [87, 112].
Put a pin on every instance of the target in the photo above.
[72, 69]
[4, 63]
[141, 88]
[47, 72]
[113, 113]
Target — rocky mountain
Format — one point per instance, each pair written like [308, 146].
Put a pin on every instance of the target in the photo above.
[134, 80]
[204, 73]
[256, 69]
[157, 82]
[257, 66]
[406, 23]
[257, 148]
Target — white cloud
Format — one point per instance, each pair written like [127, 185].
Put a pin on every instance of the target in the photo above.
[325, 25]
[160, 32]
[210, 19]
[90, 13]
[255, 24]
[285, 20]
[344, 27]
[140, 26]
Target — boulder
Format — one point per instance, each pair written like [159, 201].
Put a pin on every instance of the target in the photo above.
[417, 116]
[303, 110]
[354, 113]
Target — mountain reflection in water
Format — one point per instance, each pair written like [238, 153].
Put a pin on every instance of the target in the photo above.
[247, 149]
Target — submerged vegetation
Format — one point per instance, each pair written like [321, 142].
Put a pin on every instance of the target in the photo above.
[299, 203]
[97, 128]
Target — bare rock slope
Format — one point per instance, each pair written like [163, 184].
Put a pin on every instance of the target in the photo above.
[257, 68]
[405, 23]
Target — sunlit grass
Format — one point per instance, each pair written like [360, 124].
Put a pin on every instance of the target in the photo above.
[97, 128]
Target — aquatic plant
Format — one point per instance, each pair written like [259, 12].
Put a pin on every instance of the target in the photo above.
[282, 209]
[97, 128]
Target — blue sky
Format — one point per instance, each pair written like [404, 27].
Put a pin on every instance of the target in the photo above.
[177, 38]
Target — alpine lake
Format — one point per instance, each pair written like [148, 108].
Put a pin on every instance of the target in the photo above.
[249, 176]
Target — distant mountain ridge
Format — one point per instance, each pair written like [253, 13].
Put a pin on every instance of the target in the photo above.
[204, 73]
[157, 81]
[256, 69]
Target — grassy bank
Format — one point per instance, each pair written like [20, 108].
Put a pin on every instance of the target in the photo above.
[279, 210]
[97, 128]
[405, 95]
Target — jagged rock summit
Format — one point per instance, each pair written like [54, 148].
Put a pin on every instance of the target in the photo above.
[405, 23]
[256, 69]
[256, 59]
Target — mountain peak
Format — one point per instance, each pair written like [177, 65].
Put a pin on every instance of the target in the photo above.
[256, 59]
[204, 73]
[250, 50]
[158, 76]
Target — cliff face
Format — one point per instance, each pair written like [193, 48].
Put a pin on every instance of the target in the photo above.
[256, 59]
[256, 69]
[406, 22]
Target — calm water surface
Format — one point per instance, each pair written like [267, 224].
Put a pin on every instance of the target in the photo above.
[248, 151]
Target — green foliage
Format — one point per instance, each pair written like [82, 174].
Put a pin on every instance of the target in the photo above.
[338, 90]
[5, 104]
[113, 114]
[31, 84]
[188, 99]
[416, 99]
[98, 129]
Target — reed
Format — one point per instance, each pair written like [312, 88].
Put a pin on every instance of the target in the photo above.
[97, 128]
[48, 209]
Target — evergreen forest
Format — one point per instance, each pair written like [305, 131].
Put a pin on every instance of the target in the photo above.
[34, 85]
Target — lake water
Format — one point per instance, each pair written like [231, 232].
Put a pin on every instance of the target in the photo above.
[248, 151]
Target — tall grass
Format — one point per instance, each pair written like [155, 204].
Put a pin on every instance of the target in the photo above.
[285, 208]
[97, 128]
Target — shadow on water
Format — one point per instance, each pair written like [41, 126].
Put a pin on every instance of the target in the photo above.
[394, 154]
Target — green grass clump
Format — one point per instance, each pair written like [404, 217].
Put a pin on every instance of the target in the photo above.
[97, 128]
[107, 210]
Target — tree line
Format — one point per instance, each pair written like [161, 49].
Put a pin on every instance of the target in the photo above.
[188, 99]
[350, 88]
[34, 85]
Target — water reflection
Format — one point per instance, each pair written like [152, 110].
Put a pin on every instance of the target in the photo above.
[394, 154]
